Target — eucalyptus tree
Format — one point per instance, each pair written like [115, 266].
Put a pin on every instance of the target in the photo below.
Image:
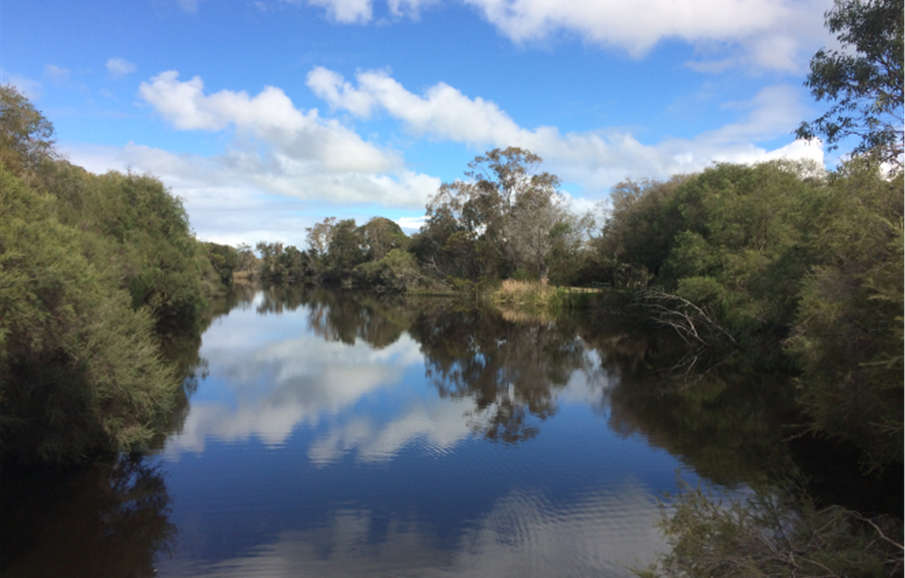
[497, 220]
[863, 79]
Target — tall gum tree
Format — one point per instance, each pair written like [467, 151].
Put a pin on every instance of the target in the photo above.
[505, 209]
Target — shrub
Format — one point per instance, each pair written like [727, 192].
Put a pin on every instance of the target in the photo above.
[79, 367]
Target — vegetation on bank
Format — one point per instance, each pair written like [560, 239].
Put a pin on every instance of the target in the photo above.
[841, 280]
[92, 269]
[773, 533]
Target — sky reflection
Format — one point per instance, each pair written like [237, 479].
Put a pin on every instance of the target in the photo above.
[524, 534]
[270, 374]
[315, 445]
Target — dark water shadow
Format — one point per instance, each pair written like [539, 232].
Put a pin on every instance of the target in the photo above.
[106, 519]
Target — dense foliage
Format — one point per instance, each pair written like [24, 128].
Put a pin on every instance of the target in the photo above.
[802, 269]
[343, 254]
[495, 224]
[847, 336]
[91, 267]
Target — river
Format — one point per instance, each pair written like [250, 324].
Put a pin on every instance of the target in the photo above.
[346, 435]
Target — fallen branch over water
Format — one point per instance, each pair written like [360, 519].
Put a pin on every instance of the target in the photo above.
[692, 323]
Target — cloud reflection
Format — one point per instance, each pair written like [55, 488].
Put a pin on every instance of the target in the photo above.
[437, 426]
[265, 386]
[524, 534]
[272, 373]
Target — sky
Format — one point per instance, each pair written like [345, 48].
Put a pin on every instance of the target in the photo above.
[266, 116]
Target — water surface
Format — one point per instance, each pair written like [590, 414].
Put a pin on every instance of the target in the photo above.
[332, 435]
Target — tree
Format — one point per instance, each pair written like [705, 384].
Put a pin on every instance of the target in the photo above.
[270, 265]
[867, 85]
[319, 236]
[502, 213]
[771, 532]
[224, 259]
[848, 334]
[638, 233]
[567, 252]
[247, 262]
[26, 137]
[380, 236]
[345, 247]
[533, 215]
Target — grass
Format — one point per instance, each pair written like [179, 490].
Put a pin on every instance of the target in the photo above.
[538, 297]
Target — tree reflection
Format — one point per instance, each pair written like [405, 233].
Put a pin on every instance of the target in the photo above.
[107, 519]
[510, 369]
[714, 410]
[378, 322]
[180, 346]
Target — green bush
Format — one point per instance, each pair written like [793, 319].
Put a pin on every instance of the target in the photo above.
[848, 331]
[79, 368]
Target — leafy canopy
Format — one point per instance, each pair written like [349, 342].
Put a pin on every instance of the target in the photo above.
[864, 79]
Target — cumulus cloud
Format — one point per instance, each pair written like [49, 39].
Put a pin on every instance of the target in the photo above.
[437, 426]
[766, 34]
[230, 201]
[442, 112]
[596, 160]
[280, 161]
[771, 33]
[120, 67]
[346, 11]
[278, 148]
[412, 223]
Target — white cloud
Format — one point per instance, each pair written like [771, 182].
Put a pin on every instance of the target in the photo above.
[412, 223]
[281, 161]
[297, 136]
[120, 67]
[229, 202]
[411, 8]
[771, 34]
[56, 73]
[362, 11]
[278, 148]
[595, 160]
[766, 34]
[438, 426]
[31, 89]
[442, 112]
[346, 11]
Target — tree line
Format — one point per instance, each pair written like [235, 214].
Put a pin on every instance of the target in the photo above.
[505, 220]
[94, 271]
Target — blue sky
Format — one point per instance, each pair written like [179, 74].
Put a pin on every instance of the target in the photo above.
[267, 116]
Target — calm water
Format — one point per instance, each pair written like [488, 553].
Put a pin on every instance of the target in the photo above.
[344, 436]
